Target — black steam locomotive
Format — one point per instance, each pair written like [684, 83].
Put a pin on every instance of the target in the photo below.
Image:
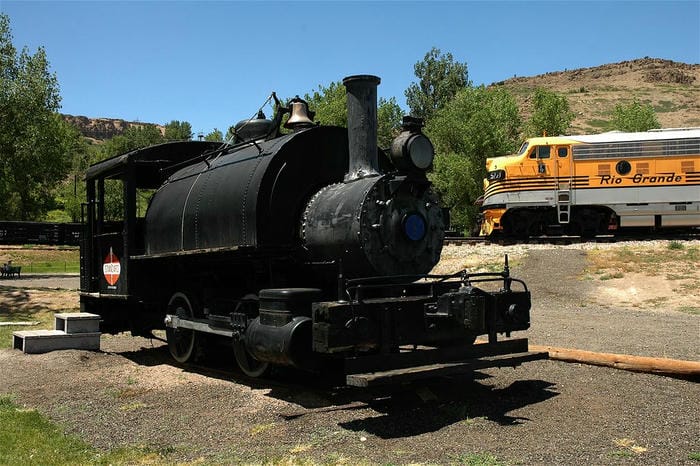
[308, 249]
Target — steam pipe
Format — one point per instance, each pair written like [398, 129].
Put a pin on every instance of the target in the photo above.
[362, 125]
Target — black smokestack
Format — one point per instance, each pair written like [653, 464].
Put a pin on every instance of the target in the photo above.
[362, 125]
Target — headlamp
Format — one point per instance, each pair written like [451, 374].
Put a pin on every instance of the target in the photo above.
[412, 150]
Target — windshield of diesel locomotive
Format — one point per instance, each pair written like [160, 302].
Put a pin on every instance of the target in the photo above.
[523, 148]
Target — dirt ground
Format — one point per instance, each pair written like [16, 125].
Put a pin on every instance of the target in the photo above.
[547, 412]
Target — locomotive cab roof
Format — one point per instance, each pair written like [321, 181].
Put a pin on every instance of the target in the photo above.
[150, 164]
[614, 137]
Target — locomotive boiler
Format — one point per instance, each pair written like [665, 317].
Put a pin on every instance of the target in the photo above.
[309, 249]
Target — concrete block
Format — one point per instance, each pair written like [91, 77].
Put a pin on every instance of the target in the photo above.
[43, 341]
[77, 322]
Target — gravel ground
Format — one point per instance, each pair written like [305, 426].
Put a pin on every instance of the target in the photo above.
[544, 412]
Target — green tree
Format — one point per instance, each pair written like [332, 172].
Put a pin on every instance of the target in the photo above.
[214, 136]
[478, 123]
[230, 135]
[439, 80]
[330, 105]
[389, 116]
[178, 131]
[135, 137]
[69, 194]
[550, 114]
[634, 117]
[36, 144]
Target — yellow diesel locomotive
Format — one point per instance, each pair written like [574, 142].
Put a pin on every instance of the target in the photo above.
[594, 184]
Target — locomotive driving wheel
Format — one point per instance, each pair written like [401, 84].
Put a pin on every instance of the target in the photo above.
[248, 364]
[181, 341]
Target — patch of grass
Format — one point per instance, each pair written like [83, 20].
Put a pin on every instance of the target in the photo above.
[281, 460]
[688, 286]
[132, 406]
[32, 305]
[655, 302]
[694, 455]
[27, 437]
[260, 428]
[478, 459]
[45, 319]
[51, 267]
[609, 88]
[648, 260]
[670, 265]
[598, 123]
[621, 454]
[610, 276]
[693, 310]
[337, 458]
[667, 106]
[125, 393]
[473, 420]
[43, 260]
[300, 448]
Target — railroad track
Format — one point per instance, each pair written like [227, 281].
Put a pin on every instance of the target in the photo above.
[565, 240]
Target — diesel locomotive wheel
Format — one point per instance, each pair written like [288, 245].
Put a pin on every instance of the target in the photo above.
[181, 341]
[518, 224]
[248, 364]
[589, 223]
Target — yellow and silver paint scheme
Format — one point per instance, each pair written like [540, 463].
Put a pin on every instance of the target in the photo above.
[639, 176]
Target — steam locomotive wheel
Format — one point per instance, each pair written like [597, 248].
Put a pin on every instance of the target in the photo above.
[181, 341]
[248, 364]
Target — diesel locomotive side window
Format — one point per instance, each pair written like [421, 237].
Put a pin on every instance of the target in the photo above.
[563, 151]
[540, 152]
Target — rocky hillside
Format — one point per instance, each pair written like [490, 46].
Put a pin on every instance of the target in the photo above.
[672, 88]
[100, 129]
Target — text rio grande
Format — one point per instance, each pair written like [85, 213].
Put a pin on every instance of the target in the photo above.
[642, 179]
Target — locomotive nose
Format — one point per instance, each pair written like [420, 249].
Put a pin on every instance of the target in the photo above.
[376, 226]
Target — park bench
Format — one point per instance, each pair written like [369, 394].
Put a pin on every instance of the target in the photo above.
[10, 271]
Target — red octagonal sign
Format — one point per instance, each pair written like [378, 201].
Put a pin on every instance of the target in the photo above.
[111, 268]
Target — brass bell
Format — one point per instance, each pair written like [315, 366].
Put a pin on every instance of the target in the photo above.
[299, 114]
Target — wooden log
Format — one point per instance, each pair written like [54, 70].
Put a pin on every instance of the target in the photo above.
[626, 362]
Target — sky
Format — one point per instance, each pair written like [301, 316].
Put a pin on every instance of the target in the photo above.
[215, 63]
